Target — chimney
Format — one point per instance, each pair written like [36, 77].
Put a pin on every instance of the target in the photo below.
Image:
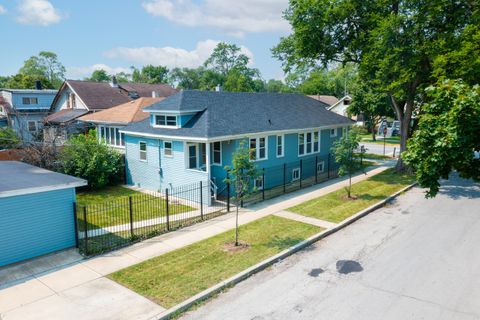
[114, 83]
[38, 85]
[218, 88]
[155, 94]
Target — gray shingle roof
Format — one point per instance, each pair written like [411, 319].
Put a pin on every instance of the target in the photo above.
[237, 113]
[21, 178]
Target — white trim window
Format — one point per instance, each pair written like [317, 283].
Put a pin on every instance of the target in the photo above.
[258, 183]
[308, 142]
[192, 156]
[217, 153]
[333, 132]
[258, 148]
[142, 148]
[165, 121]
[29, 100]
[321, 167]
[32, 126]
[280, 145]
[296, 174]
[344, 131]
[111, 136]
[168, 148]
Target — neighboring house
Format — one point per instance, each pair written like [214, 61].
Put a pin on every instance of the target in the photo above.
[23, 110]
[109, 122]
[341, 108]
[328, 100]
[36, 211]
[77, 98]
[192, 135]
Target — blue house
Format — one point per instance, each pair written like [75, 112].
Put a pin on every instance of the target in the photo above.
[192, 135]
[23, 110]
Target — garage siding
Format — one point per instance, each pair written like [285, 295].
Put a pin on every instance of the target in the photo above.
[36, 224]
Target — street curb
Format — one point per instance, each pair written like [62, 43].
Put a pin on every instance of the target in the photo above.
[239, 277]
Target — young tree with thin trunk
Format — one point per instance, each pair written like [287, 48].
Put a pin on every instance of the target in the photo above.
[343, 151]
[241, 175]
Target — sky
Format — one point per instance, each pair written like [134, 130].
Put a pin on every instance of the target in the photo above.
[116, 34]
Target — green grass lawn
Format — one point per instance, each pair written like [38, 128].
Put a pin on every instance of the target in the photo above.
[376, 156]
[334, 208]
[109, 206]
[174, 277]
[392, 141]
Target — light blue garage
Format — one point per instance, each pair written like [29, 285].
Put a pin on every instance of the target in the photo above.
[36, 211]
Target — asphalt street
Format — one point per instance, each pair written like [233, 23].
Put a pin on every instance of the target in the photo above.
[378, 148]
[416, 258]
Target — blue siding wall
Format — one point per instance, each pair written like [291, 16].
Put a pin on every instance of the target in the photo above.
[274, 163]
[44, 100]
[159, 171]
[36, 224]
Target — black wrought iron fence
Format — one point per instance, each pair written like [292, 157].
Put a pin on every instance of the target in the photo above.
[110, 225]
[290, 176]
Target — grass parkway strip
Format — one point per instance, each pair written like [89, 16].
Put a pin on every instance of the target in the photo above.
[333, 207]
[176, 276]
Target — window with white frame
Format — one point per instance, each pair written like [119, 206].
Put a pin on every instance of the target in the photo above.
[321, 167]
[258, 183]
[333, 133]
[167, 121]
[111, 136]
[167, 148]
[143, 150]
[32, 126]
[280, 145]
[308, 143]
[258, 148]
[192, 156]
[217, 153]
[344, 131]
[296, 174]
[29, 100]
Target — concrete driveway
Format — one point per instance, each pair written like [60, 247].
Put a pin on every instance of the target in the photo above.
[415, 259]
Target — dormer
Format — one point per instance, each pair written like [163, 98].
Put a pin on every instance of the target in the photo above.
[170, 119]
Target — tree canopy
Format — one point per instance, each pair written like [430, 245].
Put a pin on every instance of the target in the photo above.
[44, 66]
[99, 76]
[403, 46]
[447, 136]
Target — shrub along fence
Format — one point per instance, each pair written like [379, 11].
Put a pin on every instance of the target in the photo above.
[289, 177]
[110, 225]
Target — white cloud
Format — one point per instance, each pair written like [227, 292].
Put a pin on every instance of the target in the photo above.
[169, 56]
[38, 12]
[235, 17]
[83, 72]
[2, 9]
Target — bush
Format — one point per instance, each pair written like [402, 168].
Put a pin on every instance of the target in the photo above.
[8, 139]
[85, 157]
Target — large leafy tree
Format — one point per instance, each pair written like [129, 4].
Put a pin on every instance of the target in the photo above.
[45, 65]
[99, 76]
[401, 45]
[150, 74]
[226, 57]
[448, 135]
[24, 81]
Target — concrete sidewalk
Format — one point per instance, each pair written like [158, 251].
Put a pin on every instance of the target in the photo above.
[64, 285]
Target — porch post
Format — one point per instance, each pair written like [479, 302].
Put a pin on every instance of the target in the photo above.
[208, 165]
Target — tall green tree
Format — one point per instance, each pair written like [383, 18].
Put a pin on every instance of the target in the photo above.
[150, 74]
[396, 43]
[448, 135]
[226, 57]
[99, 76]
[45, 65]
[24, 81]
